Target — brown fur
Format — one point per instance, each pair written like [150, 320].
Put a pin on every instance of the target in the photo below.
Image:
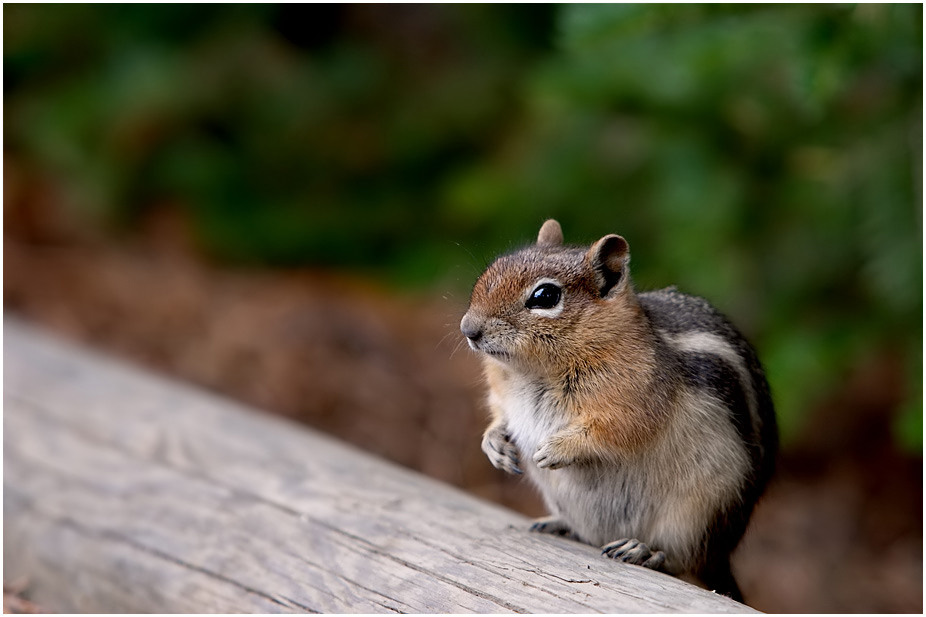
[597, 357]
[595, 395]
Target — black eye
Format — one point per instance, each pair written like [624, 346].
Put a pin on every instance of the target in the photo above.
[546, 296]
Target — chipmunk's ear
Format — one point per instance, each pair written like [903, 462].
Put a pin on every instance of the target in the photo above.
[551, 234]
[609, 258]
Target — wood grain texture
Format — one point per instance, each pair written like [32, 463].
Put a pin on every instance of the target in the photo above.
[126, 492]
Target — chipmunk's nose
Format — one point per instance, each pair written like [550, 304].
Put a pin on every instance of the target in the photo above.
[471, 328]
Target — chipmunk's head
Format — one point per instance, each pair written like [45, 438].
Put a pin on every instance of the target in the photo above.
[542, 305]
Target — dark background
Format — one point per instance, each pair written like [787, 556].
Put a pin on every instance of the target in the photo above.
[290, 203]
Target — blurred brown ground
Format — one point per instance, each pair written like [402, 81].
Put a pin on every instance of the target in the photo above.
[840, 530]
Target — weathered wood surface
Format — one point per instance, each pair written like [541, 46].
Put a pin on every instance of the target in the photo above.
[125, 492]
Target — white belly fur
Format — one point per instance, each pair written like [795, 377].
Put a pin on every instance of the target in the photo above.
[665, 496]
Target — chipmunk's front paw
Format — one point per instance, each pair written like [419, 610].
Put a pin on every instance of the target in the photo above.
[502, 453]
[553, 455]
[635, 552]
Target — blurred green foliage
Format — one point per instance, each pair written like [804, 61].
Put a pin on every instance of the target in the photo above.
[767, 157]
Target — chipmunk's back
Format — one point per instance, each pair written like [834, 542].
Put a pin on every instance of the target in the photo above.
[714, 356]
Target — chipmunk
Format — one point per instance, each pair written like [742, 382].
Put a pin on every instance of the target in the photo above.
[644, 419]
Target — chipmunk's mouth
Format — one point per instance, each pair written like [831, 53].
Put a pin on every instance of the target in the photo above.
[498, 354]
[489, 350]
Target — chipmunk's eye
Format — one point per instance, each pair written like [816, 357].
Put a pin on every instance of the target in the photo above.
[545, 296]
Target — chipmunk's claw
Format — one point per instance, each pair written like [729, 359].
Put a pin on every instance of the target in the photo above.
[634, 552]
[551, 525]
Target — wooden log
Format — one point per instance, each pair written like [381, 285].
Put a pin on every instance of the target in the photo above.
[126, 492]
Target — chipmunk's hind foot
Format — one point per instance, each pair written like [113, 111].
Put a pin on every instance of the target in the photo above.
[553, 526]
[635, 552]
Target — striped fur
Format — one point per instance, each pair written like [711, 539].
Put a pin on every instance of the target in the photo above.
[638, 416]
